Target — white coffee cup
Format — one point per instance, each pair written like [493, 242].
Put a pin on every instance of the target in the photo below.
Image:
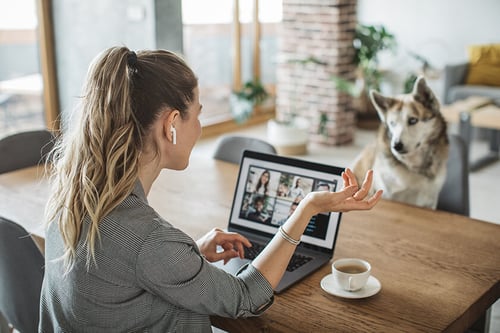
[351, 274]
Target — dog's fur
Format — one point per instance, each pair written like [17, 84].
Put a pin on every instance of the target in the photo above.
[410, 155]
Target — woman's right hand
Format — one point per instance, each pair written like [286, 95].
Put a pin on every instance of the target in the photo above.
[232, 245]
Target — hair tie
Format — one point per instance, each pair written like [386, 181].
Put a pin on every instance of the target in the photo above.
[132, 59]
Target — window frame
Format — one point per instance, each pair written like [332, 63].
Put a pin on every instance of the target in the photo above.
[48, 65]
[261, 113]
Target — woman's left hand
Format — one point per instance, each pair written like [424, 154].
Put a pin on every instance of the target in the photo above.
[232, 244]
[351, 197]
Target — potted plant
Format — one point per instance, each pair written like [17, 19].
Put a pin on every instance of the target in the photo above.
[289, 137]
[426, 69]
[369, 40]
[244, 101]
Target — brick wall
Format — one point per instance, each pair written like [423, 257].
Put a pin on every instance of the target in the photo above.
[323, 29]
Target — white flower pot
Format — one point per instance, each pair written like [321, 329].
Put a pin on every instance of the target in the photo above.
[288, 138]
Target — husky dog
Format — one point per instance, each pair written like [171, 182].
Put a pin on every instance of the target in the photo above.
[411, 151]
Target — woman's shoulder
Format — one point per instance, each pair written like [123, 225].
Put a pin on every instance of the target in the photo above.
[140, 219]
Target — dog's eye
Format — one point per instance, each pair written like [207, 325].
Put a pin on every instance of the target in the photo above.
[412, 121]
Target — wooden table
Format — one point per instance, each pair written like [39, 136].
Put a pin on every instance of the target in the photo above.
[439, 271]
[476, 111]
[23, 195]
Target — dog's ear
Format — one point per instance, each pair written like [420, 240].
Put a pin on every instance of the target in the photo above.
[381, 103]
[423, 94]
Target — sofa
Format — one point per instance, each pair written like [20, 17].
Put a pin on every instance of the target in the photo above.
[456, 88]
[480, 76]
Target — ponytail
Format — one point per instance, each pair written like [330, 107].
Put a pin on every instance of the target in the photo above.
[95, 167]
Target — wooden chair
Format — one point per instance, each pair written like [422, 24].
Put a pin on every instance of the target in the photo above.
[230, 147]
[24, 149]
[454, 196]
[21, 273]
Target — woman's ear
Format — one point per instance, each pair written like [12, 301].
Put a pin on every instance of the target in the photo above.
[169, 130]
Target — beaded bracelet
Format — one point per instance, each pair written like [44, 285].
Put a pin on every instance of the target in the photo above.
[287, 237]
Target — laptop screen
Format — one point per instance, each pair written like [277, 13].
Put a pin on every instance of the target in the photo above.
[268, 189]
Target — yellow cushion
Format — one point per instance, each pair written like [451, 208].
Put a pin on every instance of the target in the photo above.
[484, 65]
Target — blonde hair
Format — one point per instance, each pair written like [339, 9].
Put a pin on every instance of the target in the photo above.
[96, 166]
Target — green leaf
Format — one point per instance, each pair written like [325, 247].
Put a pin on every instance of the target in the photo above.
[253, 91]
[346, 86]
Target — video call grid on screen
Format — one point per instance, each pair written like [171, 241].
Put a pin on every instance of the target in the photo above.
[279, 197]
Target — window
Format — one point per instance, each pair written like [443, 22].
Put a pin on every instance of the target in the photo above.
[224, 59]
[28, 99]
[21, 102]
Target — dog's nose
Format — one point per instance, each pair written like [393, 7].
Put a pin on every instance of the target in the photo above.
[398, 146]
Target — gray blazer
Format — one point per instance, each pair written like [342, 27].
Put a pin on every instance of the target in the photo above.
[149, 277]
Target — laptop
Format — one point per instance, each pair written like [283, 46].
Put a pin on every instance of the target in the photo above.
[259, 207]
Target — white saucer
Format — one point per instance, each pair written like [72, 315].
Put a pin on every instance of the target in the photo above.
[372, 287]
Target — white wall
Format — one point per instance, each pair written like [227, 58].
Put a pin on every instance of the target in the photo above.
[439, 30]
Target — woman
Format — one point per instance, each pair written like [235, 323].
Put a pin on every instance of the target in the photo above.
[112, 263]
[263, 183]
[296, 192]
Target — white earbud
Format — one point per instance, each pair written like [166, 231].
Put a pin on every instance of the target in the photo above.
[174, 135]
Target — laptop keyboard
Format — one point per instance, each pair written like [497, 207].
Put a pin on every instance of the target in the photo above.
[296, 261]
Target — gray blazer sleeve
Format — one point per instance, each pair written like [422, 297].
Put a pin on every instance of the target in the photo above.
[170, 265]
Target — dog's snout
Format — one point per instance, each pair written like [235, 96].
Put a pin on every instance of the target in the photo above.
[398, 146]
